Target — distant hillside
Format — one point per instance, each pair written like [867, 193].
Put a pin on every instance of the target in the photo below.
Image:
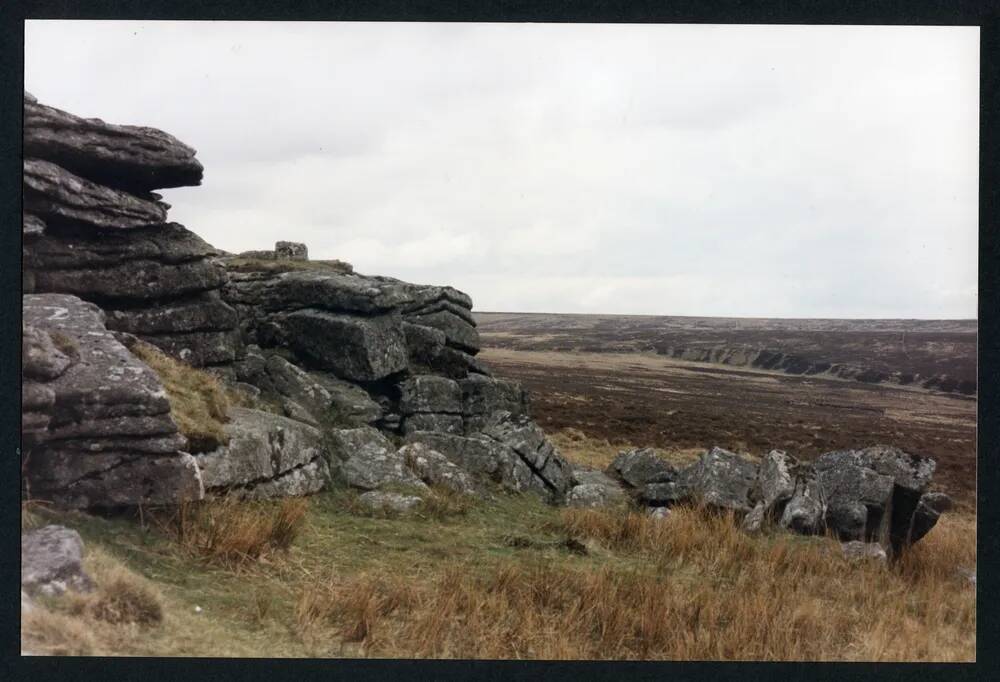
[935, 354]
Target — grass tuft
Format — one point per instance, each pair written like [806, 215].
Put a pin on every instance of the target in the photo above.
[198, 402]
[234, 532]
[598, 453]
[82, 624]
[64, 343]
[124, 597]
[513, 577]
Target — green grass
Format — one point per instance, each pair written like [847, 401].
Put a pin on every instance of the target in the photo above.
[352, 584]
[333, 541]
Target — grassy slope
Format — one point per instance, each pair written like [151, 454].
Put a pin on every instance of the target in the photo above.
[501, 580]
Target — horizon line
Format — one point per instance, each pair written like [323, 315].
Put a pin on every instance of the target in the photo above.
[738, 317]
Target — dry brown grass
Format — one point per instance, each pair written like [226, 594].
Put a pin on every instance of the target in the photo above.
[443, 503]
[53, 633]
[598, 453]
[704, 591]
[234, 532]
[65, 344]
[30, 514]
[124, 597]
[81, 624]
[198, 402]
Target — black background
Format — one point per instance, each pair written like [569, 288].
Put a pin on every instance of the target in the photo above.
[985, 14]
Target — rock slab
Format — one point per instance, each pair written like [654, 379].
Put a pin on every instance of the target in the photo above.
[52, 562]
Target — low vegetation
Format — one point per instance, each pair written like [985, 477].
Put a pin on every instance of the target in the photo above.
[244, 264]
[510, 577]
[233, 532]
[66, 345]
[437, 504]
[198, 402]
[122, 605]
[598, 453]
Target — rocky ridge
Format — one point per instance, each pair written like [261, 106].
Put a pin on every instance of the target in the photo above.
[94, 228]
[361, 381]
[344, 368]
[877, 495]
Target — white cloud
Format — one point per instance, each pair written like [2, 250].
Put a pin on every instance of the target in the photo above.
[703, 170]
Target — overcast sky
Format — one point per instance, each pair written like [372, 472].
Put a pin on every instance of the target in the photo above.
[646, 169]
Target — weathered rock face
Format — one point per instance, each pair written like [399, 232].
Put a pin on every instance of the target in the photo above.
[385, 325]
[412, 348]
[430, 403]
[483, 397]
[32, 227]
[512, 451]
[875, 495]
[99, 429]
[132, 158]
[788, 492]
[99, 233]
[58, 196]
[266, 292]
[355, 348]
[429, 353]
[433, 468]
[52, 562]
[592, 488]
[879, 494]
[364, 458]
[313, 397]
[155, 282]
[267, 456]
[333, 350]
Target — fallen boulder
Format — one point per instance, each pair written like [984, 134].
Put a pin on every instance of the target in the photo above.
[364, 458]
[592, 488]
[267, 455]
[594, 495]
[52, 562]
[875, 495]
[640, 466]
[433, 468]
[381, 501]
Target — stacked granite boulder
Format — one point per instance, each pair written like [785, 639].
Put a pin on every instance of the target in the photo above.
[95, 422]
[344, 367]
[877, 495]
[376, 358]
[94, 228]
